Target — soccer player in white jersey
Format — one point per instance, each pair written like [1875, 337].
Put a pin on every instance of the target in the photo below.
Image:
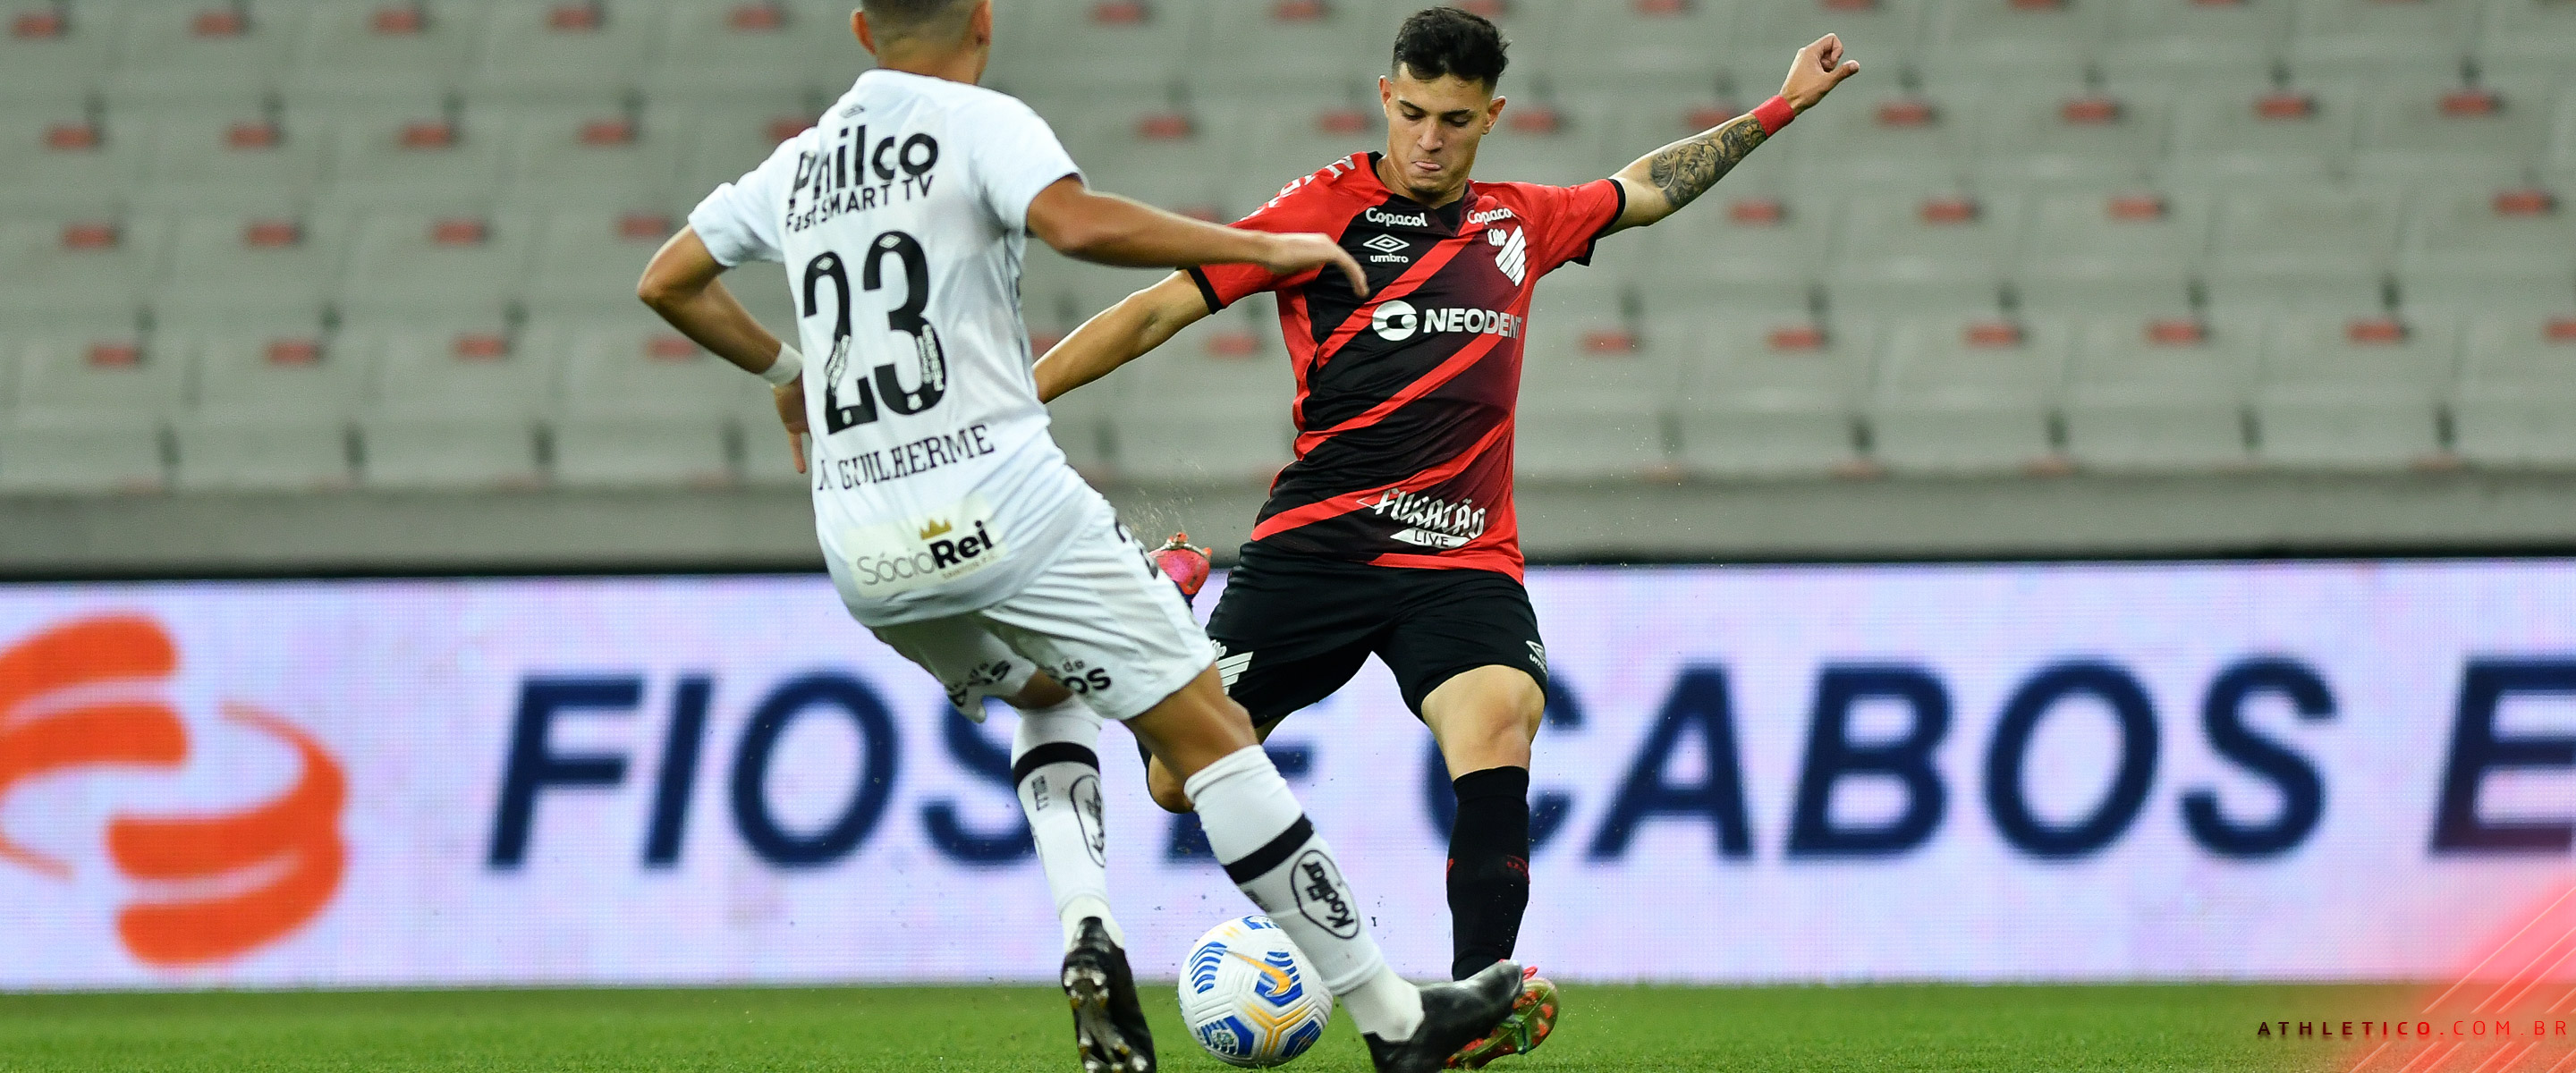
[952, 525]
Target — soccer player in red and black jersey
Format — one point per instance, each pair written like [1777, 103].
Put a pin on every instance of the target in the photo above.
[1392, 533]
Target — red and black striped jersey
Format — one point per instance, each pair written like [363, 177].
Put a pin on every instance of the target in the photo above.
[1405, 398]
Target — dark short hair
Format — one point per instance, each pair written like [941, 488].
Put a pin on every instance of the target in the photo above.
[899, 17]
[1441, 41]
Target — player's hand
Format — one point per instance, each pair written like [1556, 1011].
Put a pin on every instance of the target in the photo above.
[791, 413]
[1292, 254]
[1820, 67]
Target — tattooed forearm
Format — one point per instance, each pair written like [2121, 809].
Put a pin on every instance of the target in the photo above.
[1686, 169]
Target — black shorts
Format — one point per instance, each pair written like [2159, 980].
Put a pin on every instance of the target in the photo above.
[1291, 629]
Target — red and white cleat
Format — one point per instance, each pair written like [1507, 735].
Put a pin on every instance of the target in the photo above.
[1531, 1020]
[1185, 563]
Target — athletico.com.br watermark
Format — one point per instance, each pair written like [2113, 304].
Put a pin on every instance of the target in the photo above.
[2460, 1029]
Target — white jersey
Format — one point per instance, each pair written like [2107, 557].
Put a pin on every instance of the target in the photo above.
[901, 218]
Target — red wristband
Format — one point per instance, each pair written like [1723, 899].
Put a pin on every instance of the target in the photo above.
[1774, 114]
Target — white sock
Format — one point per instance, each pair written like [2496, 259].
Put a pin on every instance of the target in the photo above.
[1262, 837]
[1058, 778]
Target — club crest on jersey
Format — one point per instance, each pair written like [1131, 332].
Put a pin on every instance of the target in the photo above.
[1511, 253]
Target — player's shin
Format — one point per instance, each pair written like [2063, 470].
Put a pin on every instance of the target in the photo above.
[1488, 867]
[1057, 770]
[1272, 852]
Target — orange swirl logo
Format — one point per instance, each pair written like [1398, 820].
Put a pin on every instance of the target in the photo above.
[211, 887]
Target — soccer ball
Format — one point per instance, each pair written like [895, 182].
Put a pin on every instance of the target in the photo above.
[1250, 997]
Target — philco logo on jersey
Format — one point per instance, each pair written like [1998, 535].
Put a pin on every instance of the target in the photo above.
[1398, 321]
[1434, 523]
[1397, 219]
[845, 175]
[898, 557]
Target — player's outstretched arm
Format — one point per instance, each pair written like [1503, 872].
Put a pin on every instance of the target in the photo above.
[1662, 182]
[1112, 230]
[682, 285]
[1120, 334]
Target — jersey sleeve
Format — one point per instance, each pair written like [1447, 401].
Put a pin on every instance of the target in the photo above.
[1566, 220]
[740, 221]
[1302, 207]
[1015, 155]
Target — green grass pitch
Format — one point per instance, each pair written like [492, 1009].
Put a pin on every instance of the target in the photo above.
[2125, 1028]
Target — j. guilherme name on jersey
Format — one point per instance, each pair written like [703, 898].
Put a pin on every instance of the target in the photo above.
[904, 460]
[847, 174]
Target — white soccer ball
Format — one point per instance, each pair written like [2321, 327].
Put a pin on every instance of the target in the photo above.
[1250, 997]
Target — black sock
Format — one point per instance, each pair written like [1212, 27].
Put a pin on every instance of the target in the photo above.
[1488, 867]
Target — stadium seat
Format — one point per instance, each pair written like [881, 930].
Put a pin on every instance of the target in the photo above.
[173, 51]
[639, 405]
[2217, 45]
[387, 48]
[606, 157]
[1886, 36]
[1901, 255]
[2381, 39]
[2449, 133]
[2519, 38]
[1053, 48]
[2352, 393]
[1560, 142]
[67, 162]
[250, 265]
[1649, 50]
[2231, 139]
[1964, 394]
[1170, 158]
[2559, 164]
[2017, 41]
[725, 142]
[1738, 250]
[1318, 48]
[271, 409]
[464, 265]
[752, 48]
[452, 406]
[1593, 402]
[245, 163]
[1895, 142]
[587, 263]
[2323, 249]
[1771, 397]
[2471, 247]
[423, 161]
[2117, 253]
[2159, 395]
[56, 53]
[89, 412]
[1189, 417]
[1295, 138]
[536, 50]
[2086, 141]
[86, 268]
[2517, 392]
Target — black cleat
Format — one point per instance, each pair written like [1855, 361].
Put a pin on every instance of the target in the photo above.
[1108, 1026]
[1453, 1015]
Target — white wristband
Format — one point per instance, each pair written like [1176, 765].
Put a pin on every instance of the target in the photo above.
[788, 366]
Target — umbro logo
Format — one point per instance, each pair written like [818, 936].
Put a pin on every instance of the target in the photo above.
[1390, 249]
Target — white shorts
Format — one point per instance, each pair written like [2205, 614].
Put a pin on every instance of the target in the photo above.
[1104, 620]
